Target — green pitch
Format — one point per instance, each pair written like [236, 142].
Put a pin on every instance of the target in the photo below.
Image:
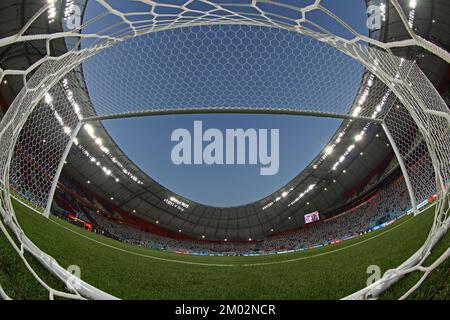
[132, 272]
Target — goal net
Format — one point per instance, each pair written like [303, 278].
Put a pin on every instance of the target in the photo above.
[304, 57]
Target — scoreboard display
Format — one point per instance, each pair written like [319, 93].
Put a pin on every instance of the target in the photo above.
[312, 217]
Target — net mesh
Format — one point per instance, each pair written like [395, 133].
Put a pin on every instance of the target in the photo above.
[264, 55]
[224, 66]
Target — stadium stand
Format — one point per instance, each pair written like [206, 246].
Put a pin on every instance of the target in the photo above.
[358, 218]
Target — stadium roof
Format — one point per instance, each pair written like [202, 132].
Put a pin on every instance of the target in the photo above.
[322, 185]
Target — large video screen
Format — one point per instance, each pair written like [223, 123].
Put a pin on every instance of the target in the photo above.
[311, 217]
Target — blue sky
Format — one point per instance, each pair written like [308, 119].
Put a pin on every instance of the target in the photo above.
[147, 140]
[148, 145]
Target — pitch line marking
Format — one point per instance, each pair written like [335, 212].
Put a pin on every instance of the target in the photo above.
[232, 265]
[328, 252]
[143, 255]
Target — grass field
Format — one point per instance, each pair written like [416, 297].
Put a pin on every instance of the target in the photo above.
[132, 272]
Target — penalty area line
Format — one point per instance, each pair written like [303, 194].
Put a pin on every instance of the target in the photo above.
[141, 254]
[233, 265]
[328, 252]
